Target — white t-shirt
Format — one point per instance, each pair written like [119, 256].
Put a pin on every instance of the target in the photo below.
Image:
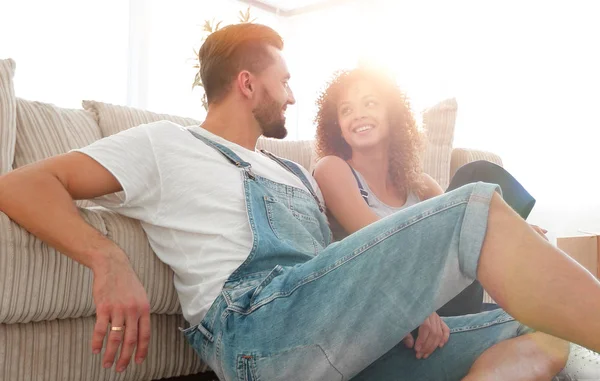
[190, 201]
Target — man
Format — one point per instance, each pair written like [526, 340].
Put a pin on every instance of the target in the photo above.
[266, 294]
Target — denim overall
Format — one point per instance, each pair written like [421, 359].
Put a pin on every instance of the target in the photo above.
[303, 308]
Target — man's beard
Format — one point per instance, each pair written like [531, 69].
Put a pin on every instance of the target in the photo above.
[268, 116]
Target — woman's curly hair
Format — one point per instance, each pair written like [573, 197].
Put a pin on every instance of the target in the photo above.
[405, 142]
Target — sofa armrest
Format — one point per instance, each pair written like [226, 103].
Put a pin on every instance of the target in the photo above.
[39, 283]
[462, 156]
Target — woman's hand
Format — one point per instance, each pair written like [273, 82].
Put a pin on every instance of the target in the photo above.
[540, 231]
[433, 334]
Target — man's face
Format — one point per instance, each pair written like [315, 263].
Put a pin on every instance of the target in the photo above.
[274, 97]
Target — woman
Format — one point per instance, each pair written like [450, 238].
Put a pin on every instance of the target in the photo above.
[369, 168]
[357, 136]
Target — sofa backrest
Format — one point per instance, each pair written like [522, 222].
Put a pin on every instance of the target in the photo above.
[8, 115]
[439, 122]
[44, 130]
[112, 119]
[32, 131]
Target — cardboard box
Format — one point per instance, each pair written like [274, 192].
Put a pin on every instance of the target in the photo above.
[584, 249]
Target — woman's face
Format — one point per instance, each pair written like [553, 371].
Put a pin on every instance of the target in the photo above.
[362, 116]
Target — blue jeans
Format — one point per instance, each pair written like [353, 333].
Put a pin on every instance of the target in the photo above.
[302, 308]
[470, 336]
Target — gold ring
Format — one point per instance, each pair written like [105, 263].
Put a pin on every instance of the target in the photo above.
[117, 328]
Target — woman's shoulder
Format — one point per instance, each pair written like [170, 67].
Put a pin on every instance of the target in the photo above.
[330, 163]
[333, 173]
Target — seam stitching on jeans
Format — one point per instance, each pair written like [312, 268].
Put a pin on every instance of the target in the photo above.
[329, 361]
[480, 326]
[477, 197]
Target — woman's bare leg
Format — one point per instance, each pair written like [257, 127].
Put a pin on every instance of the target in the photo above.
[532, 357]
[535, 282]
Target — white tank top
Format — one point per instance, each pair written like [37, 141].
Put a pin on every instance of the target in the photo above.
[380, 208]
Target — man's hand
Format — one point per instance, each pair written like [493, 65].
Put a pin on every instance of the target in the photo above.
[121, 301]
[540, 231]
[433, 333]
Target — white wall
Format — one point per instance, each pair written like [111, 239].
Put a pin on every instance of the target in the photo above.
[175, 31]
[137, 52]
[525, 74]
[67, 50]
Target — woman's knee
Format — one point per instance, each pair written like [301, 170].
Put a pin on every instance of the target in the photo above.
[548, 354]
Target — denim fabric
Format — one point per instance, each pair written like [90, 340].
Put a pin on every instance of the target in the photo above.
[470, 336]
[302, 308]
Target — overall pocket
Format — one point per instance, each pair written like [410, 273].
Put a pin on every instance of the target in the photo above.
[293, 223]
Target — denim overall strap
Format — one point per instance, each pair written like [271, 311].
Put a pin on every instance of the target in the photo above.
[296, 170]
[281, 236]
[229, 154]
[361, 188]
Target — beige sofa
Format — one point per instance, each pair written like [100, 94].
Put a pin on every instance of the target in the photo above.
[46, 305]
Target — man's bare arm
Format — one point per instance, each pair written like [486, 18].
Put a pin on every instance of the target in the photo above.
[39, 197]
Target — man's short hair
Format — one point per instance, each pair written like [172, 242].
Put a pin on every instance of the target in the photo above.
[232, 49]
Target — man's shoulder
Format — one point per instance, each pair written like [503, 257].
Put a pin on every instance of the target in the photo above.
[154, 141]
[149, 131]
[166, 135]
[164, 127]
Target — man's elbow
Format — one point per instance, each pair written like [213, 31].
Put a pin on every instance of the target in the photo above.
[26, 178]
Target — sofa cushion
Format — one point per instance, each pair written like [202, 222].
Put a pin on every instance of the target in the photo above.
[39, 283]
[439, 122]
[8, 115]
[113, 119]
[44, 130]
[60, 350]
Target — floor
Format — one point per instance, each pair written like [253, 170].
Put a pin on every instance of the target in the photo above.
[208, 376]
